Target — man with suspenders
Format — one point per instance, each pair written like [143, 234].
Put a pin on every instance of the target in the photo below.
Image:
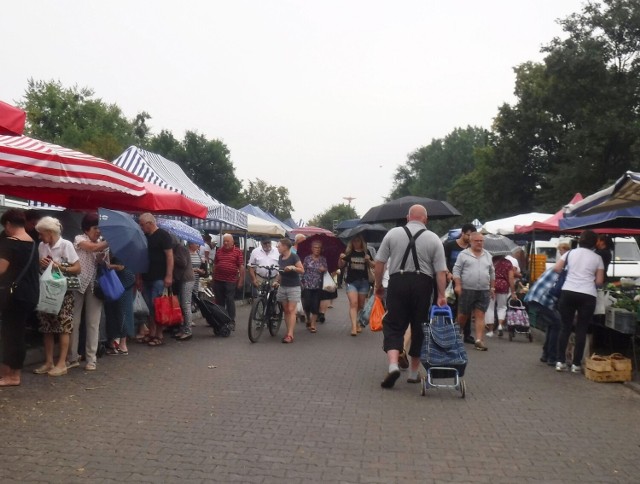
[416, 259]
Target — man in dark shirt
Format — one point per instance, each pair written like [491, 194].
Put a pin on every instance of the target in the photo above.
[160, 273]
[452, 249]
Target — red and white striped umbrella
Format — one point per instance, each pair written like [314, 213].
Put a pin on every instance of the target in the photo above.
[32, 164]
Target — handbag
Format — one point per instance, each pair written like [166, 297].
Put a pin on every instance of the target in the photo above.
[107, 285]
[53, 287]
[377, 314]
[328, 284]
[167, 310]
[556, 290]
[73, 281]
[7, 291]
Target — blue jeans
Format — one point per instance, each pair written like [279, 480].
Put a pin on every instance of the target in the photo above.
[361, 286]
[550, 347]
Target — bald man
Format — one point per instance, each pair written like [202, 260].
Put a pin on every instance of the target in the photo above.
[416, 261]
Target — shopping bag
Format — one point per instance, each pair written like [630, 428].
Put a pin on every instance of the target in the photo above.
[377, 313]
[450, 293]
[365, 312]
[53, 286]
[140, 309]
[107, 285]
[328, 284]
[167, 309]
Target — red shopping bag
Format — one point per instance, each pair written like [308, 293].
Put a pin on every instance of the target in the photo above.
[167, 309]
[377, 313]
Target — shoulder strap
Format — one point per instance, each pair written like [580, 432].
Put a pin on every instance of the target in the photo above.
[411, 247]
[24, 269]
[566, 262]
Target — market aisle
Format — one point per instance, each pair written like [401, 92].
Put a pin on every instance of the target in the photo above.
[221, 410]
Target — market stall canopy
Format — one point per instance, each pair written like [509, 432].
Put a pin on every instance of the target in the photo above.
[258, 212]
[624, 193]
[34, 169]
[11, 120]
[506, 226]
[155, 199]
[397, 210]
[625, 221]
[258, 226]
[548, 225]
[165, 173]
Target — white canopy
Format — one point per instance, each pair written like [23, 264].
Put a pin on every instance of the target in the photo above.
[506, 226]
[258, 226]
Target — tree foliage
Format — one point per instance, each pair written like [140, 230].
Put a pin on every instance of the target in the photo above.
[336, 213]
[270, 198]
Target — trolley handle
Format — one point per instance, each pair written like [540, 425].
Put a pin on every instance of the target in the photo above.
[441, 311]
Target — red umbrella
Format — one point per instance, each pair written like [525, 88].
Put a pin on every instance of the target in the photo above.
[11, 120]
[310, 230]
[332, 247]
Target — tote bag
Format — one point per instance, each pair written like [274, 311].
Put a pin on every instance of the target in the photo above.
[108, 284]
[53, 286]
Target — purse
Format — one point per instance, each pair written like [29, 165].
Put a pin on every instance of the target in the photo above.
[107, 285]
[167, 309]
[73, 281]
[7, 291]
[556, 290]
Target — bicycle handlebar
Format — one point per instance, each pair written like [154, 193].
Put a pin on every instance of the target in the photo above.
[269, 268]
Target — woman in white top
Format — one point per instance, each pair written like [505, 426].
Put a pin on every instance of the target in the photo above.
[60, 252]
[585, 273]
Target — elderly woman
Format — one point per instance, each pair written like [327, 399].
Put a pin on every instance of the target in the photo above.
[289, 281]
[585, 273]
[357, 260]
[315, 265]
[18, 266]
[53, 249]
[91, 251]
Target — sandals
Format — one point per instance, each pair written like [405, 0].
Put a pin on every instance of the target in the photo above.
[144, 339]
[155, 341]
[287, 339]
[312, 330]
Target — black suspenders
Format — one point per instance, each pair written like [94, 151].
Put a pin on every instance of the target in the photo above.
[411, 248]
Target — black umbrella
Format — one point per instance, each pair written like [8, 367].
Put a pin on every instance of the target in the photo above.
[396, 210]
[373, 233]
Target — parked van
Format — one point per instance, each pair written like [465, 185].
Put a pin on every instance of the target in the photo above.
[625, 261]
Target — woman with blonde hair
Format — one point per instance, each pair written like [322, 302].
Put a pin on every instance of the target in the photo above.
[60, 252]
[356, 260]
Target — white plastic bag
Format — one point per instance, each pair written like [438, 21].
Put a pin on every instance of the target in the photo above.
[53, 286]
[299, 309]
[328, 284]
[450, 293]
[140, 309]
[603, 301]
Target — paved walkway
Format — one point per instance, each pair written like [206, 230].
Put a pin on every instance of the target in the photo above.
[226, 410]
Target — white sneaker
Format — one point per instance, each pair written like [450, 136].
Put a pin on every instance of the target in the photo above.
[490, 334]
[576, 369]
[561, 366]
[500, 327]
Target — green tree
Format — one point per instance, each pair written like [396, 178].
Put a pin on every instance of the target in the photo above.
[270, 198]
[336, 213]
[74, 118]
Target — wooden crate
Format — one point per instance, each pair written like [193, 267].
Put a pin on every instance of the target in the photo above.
[607, 376]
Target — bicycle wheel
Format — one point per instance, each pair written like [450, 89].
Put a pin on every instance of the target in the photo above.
[256, 319]
[275, 318]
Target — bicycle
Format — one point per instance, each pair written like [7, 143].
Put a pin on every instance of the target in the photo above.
[265, 310]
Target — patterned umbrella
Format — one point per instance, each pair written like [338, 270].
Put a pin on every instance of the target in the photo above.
[180, 230]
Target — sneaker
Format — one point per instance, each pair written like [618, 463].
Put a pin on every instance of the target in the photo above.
[390, 379]
[576, 369]
[73, 363]
[90, 367]
[469, 340]
[561, 366]
[480, 345]
[403, 361]
[490, 334]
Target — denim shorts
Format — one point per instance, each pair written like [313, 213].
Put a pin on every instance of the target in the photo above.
[289, 294]
[361, 286]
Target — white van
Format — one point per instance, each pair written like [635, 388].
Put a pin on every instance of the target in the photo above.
[625, 261]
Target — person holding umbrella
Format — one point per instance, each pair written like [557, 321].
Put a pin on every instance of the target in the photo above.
[357, 261]
[315, 265]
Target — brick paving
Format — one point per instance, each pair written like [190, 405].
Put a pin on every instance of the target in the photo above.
[225, 410]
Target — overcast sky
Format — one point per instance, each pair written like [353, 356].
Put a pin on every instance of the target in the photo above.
[324, 97]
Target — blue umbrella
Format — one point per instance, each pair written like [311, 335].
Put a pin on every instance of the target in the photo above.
[126, 239]
[180, 230]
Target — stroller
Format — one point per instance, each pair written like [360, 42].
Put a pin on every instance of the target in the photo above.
[517, 320]
[215, 316]
[443, 354]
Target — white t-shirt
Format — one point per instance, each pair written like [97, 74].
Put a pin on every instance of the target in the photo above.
[61, 251]
[582, 266]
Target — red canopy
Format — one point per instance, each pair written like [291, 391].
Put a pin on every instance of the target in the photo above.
[156, 199]
[11, 119]
[552, 224]
[27, 162]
